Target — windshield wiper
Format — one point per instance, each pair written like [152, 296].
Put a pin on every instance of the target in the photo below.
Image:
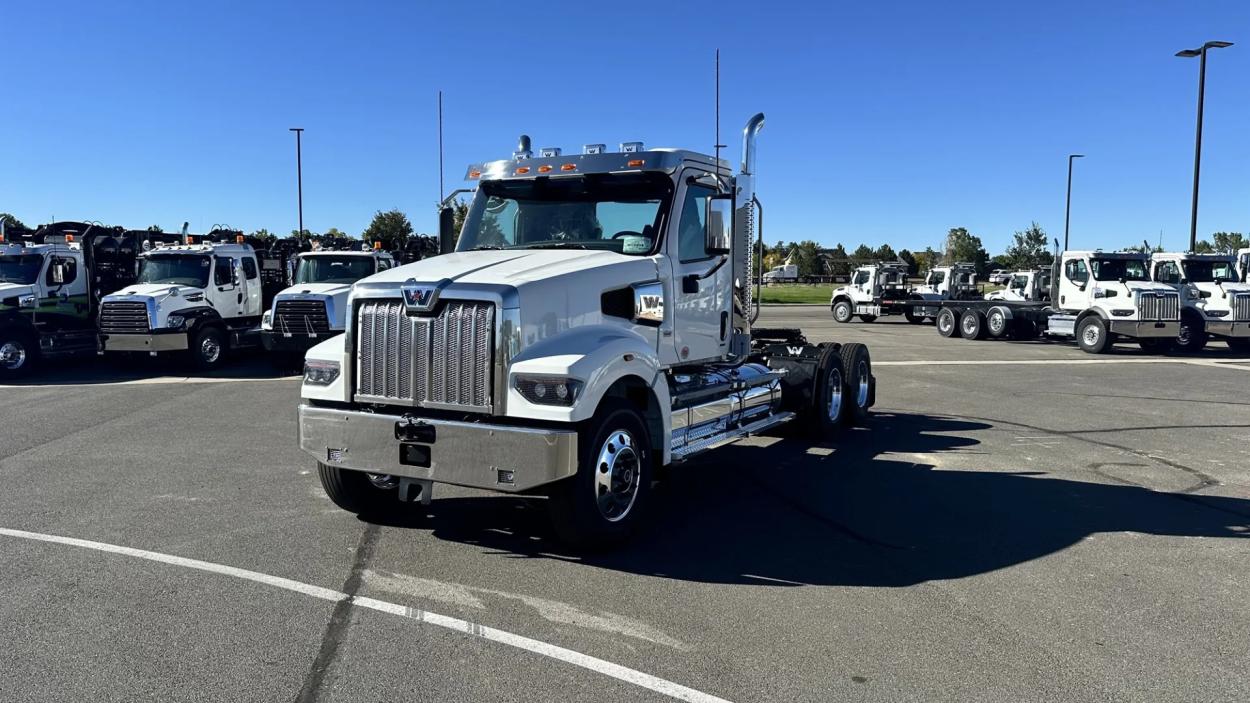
[484, 247]
[552, 245]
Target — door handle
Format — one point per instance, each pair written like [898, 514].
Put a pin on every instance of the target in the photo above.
[690, 283]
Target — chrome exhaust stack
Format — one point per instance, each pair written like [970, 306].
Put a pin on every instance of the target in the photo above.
[749, 133]
[747, 229]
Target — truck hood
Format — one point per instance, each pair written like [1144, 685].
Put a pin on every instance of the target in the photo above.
[158, 291]
[327, 289]
[514, 267]
[13, 290]
[1139, 286]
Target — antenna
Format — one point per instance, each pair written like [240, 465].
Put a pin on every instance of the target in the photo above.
[440, 146]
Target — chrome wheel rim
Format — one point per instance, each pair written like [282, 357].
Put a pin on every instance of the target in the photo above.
[862, 396]
[833, 404]
[997, 322]
[12, 355]
[969, 325]
[1090, 335]
[210, 349]
[1182, 337]
[945, 322]
[617, 476]
[842, 311]
[383, 482]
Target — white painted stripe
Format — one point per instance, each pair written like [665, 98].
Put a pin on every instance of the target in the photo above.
[156, 381]
[600, 666]
[1229, 364]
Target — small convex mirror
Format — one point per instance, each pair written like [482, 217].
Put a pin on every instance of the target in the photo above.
[58, 272]
[719, 219]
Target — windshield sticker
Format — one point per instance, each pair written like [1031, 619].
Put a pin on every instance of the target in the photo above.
[635, 245]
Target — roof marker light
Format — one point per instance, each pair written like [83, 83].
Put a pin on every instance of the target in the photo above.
[377, 246]
[475, 174]
[238, 239]
[69, 238]
[568, 167]
[544, 168]
[595, 149]
[522, 170]
[549, 151]
[635, 163]
[631, 147]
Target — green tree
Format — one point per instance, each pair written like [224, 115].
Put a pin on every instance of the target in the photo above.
[459, 213]
[392, 228]
[885, 252]
[1029, 249]
[1229, 242]
[926, 260]
[907, 258]
[1204, 247]
[155, 228]
[336, 232]
[264, 235]
[962, 245]
[836, 258]
[862, 254]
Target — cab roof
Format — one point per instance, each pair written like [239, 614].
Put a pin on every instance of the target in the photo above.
[1181, 256]
[202, 248]
[1097, 253]
[663, 160]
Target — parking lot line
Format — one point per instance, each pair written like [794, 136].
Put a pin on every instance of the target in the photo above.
[569, 656]
[1237, 364]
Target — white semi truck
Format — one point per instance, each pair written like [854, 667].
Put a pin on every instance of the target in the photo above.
[1096, 297]
[881, 289]
[594, 325]
[1215, 300]
[203, 298]
[1023, 286]
[785, 273]
[314, 307]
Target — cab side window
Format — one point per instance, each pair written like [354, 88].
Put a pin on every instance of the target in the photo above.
[383, 264]
[221, 272]
[1076, 271]
[692, 230]
[861, 277]
[1168, 272]
[249, 268]
[1019, 282]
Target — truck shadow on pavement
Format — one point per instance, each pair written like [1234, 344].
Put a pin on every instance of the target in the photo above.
[791, 514]
[86, 370]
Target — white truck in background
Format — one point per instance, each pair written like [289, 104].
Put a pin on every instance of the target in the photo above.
[1023, 286]
[786, 273]
[593, 325]
[1243, 265]
[203, 298]
[1215, 299]
[314, 307]
[881, 289]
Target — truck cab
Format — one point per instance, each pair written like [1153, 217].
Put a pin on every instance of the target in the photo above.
[1215, 300]
[201, 298]
[952, 282]
[314, 307]
[874, 290]
[1024, 286]
[593, 325]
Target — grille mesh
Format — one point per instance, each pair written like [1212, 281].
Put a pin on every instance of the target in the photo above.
[118, 317]
[1241, 308]
[1159, 306]
[444, 359]
[301, 317]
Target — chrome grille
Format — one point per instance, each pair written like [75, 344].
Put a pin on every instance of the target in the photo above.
[118, 317]
[443, 360]
[1241, 307]
[306, 317]
[1159, 306]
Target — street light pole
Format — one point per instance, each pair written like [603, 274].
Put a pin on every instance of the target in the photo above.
[1201, 53]
[299, 175]
[1067, 211]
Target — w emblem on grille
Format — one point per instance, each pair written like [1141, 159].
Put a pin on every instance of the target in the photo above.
[420, 297]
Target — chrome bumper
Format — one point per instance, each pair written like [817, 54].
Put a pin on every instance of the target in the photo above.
[1146, 329]
[1226, 328]
[174, 341]
[479, 455]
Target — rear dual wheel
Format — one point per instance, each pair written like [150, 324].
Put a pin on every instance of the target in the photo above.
[972, 325]
[947, 323]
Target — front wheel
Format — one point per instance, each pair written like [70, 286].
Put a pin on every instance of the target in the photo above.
[842, 311]
[1092, 335]
[603, 504]
[947, 325]
[208, 348]
[18, 353]
[367, 495]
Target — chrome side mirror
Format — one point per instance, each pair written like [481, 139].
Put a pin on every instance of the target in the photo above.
[719, 217]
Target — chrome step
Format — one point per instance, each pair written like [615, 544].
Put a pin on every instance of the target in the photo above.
[723, 438]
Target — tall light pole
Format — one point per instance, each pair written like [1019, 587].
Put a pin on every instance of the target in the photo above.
[299, 176]
[1067, 210]
[1201, 53]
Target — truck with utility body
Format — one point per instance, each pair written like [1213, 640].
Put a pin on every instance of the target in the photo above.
[51, 282]
[881, 289]
[1215, 301]
[202, 298]
[314, 307]
[785, 273]
[1096, 297]
[593, 326]
[1022, 286]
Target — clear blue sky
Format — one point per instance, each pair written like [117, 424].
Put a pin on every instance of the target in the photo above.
[887, 121]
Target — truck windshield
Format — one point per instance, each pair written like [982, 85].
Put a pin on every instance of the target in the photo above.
[333, 269]
[1210, 271]
[21, 268]
[178, 269]
[621, 213]
[1115, 269]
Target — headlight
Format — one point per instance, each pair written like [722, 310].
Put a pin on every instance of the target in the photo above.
[1217, 313]
[320, 373]
[266, 320]
[27, 301]
[175, 322]
[1122, 313]
[548, 390]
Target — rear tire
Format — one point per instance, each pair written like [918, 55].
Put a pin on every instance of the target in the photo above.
[843, 311]
[603, 504]
[972, 325]
[208, 348]
[997, 324]
[19, 352]
[913, 318]
[829, 403]
[356, 492]
[1092, 335]
[947, 324]
[867, 318]
[1238, 344]
[859, 387]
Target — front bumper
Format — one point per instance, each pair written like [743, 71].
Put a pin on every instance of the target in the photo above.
[291, 342]
[1146, 329]
[473, 454]
[174, 340]
[1228, 328]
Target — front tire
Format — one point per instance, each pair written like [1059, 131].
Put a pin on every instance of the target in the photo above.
[18, 354]
[1092, 335]
[947, 324]
[603, 504]
[208, 348]
[367, 495]
[843, 311]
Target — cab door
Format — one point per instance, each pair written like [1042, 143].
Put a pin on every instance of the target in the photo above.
[253, 292]
[702, 282]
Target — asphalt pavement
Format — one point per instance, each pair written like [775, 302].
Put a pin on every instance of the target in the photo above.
[1018, 521]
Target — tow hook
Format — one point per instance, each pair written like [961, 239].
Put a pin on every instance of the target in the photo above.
[411, 429]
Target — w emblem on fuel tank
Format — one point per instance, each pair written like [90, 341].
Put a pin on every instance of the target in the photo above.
[420, 297]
